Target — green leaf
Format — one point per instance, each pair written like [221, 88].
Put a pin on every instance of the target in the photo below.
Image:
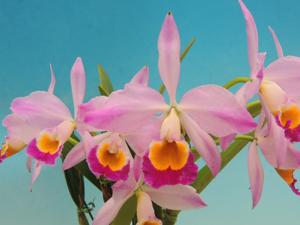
[127, 212]
[105, 86]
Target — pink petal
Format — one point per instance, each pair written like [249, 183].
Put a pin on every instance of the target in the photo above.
[276, 42]
[142, 77]
[247, 91]
[75, 156]
[36, 172]
[29, 164]
[145, 209]
[53, 81]
[216, 111]
[175, 197]
[256, 174]
[41, 109]
[20, 129]
[127, 110]
[226, 141]
[169, 55]
[285, 72]
[122, 191]
[203, 142]
[292, 158]
[252, 37]
[78, 83]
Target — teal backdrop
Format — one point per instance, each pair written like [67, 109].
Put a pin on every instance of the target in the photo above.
[122, 36]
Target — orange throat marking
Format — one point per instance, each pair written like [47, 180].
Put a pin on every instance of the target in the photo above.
[48, 144]
[115, 161]
[151, 222]
[164, 154]
[290, 114]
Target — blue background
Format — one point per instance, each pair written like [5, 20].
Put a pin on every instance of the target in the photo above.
[122, 36]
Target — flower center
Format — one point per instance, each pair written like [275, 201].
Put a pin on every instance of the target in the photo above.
[115, 160]
[164, 154]
[48, 143]
[170, 128]
[290, 116]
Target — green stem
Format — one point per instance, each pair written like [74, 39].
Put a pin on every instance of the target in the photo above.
[235, 81]
[245, 137]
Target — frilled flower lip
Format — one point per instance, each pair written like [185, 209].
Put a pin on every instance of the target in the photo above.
[100, 170]
[158, 178]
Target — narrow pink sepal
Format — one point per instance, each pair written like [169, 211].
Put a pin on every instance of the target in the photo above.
[175, 197]
[141, 77]
[78, 83]
[252, 38]
[36, 173]
[276, 42]
[53, 81]
[226, 141]
[169, 55]
[75, 156]
[256, 174]
[29, 164]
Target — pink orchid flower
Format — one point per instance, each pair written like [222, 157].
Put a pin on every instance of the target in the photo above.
[43, 123]
[107, 153]
[276, 87]
[202, 111]
[176, 197]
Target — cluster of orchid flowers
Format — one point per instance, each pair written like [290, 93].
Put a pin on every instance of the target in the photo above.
[141, 143]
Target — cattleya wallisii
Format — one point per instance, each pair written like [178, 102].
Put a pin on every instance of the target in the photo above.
[202, 111]
[132, 144]
[43, 123]
[277, 87]
[107, 153]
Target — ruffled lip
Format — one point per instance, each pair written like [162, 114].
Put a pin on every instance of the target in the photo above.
[34, 152]
[293, 134]
[157, 178]
[100, 170]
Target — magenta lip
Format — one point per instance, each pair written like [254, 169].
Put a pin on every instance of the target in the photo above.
[292, 134]
[100, 170]
[157, 178]
[34, 152]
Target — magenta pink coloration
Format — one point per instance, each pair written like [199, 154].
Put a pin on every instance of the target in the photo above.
[2, 158]
[293, 134]
[293, 187]
[157, 178]
[34, 152]
[100, 170]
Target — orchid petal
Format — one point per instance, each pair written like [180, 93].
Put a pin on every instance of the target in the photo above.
[226, 141]
[216, 111]
[203, 142]
[292, 158]
[122, 191]
[127, 110]
[41, 109]
[53, 81]
[247, 91]
[277, 43]
[145, 209]
[36, 172]
[252, 37]
[29, 164]
[256, 174]
[175, 197]
[78, 83]
[169, 56]
[141, 77]
[75, 156]
[285, 72]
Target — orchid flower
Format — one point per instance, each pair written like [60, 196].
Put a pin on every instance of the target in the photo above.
[107, 153]
[202, 111]
[43, 123]
[176, 197]
[276, 87]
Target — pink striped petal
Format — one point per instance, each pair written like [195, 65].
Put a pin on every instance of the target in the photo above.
[78, 83]
[216, 111]
[53, 81]
[175, 197]
[256, 174]
[141, 77]
[169, 56]
[41, 109]
[127, 110]
[285, 72]
[252, 37]
[75, 156]
[122, 191]
[203, 142]
[277, 43]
